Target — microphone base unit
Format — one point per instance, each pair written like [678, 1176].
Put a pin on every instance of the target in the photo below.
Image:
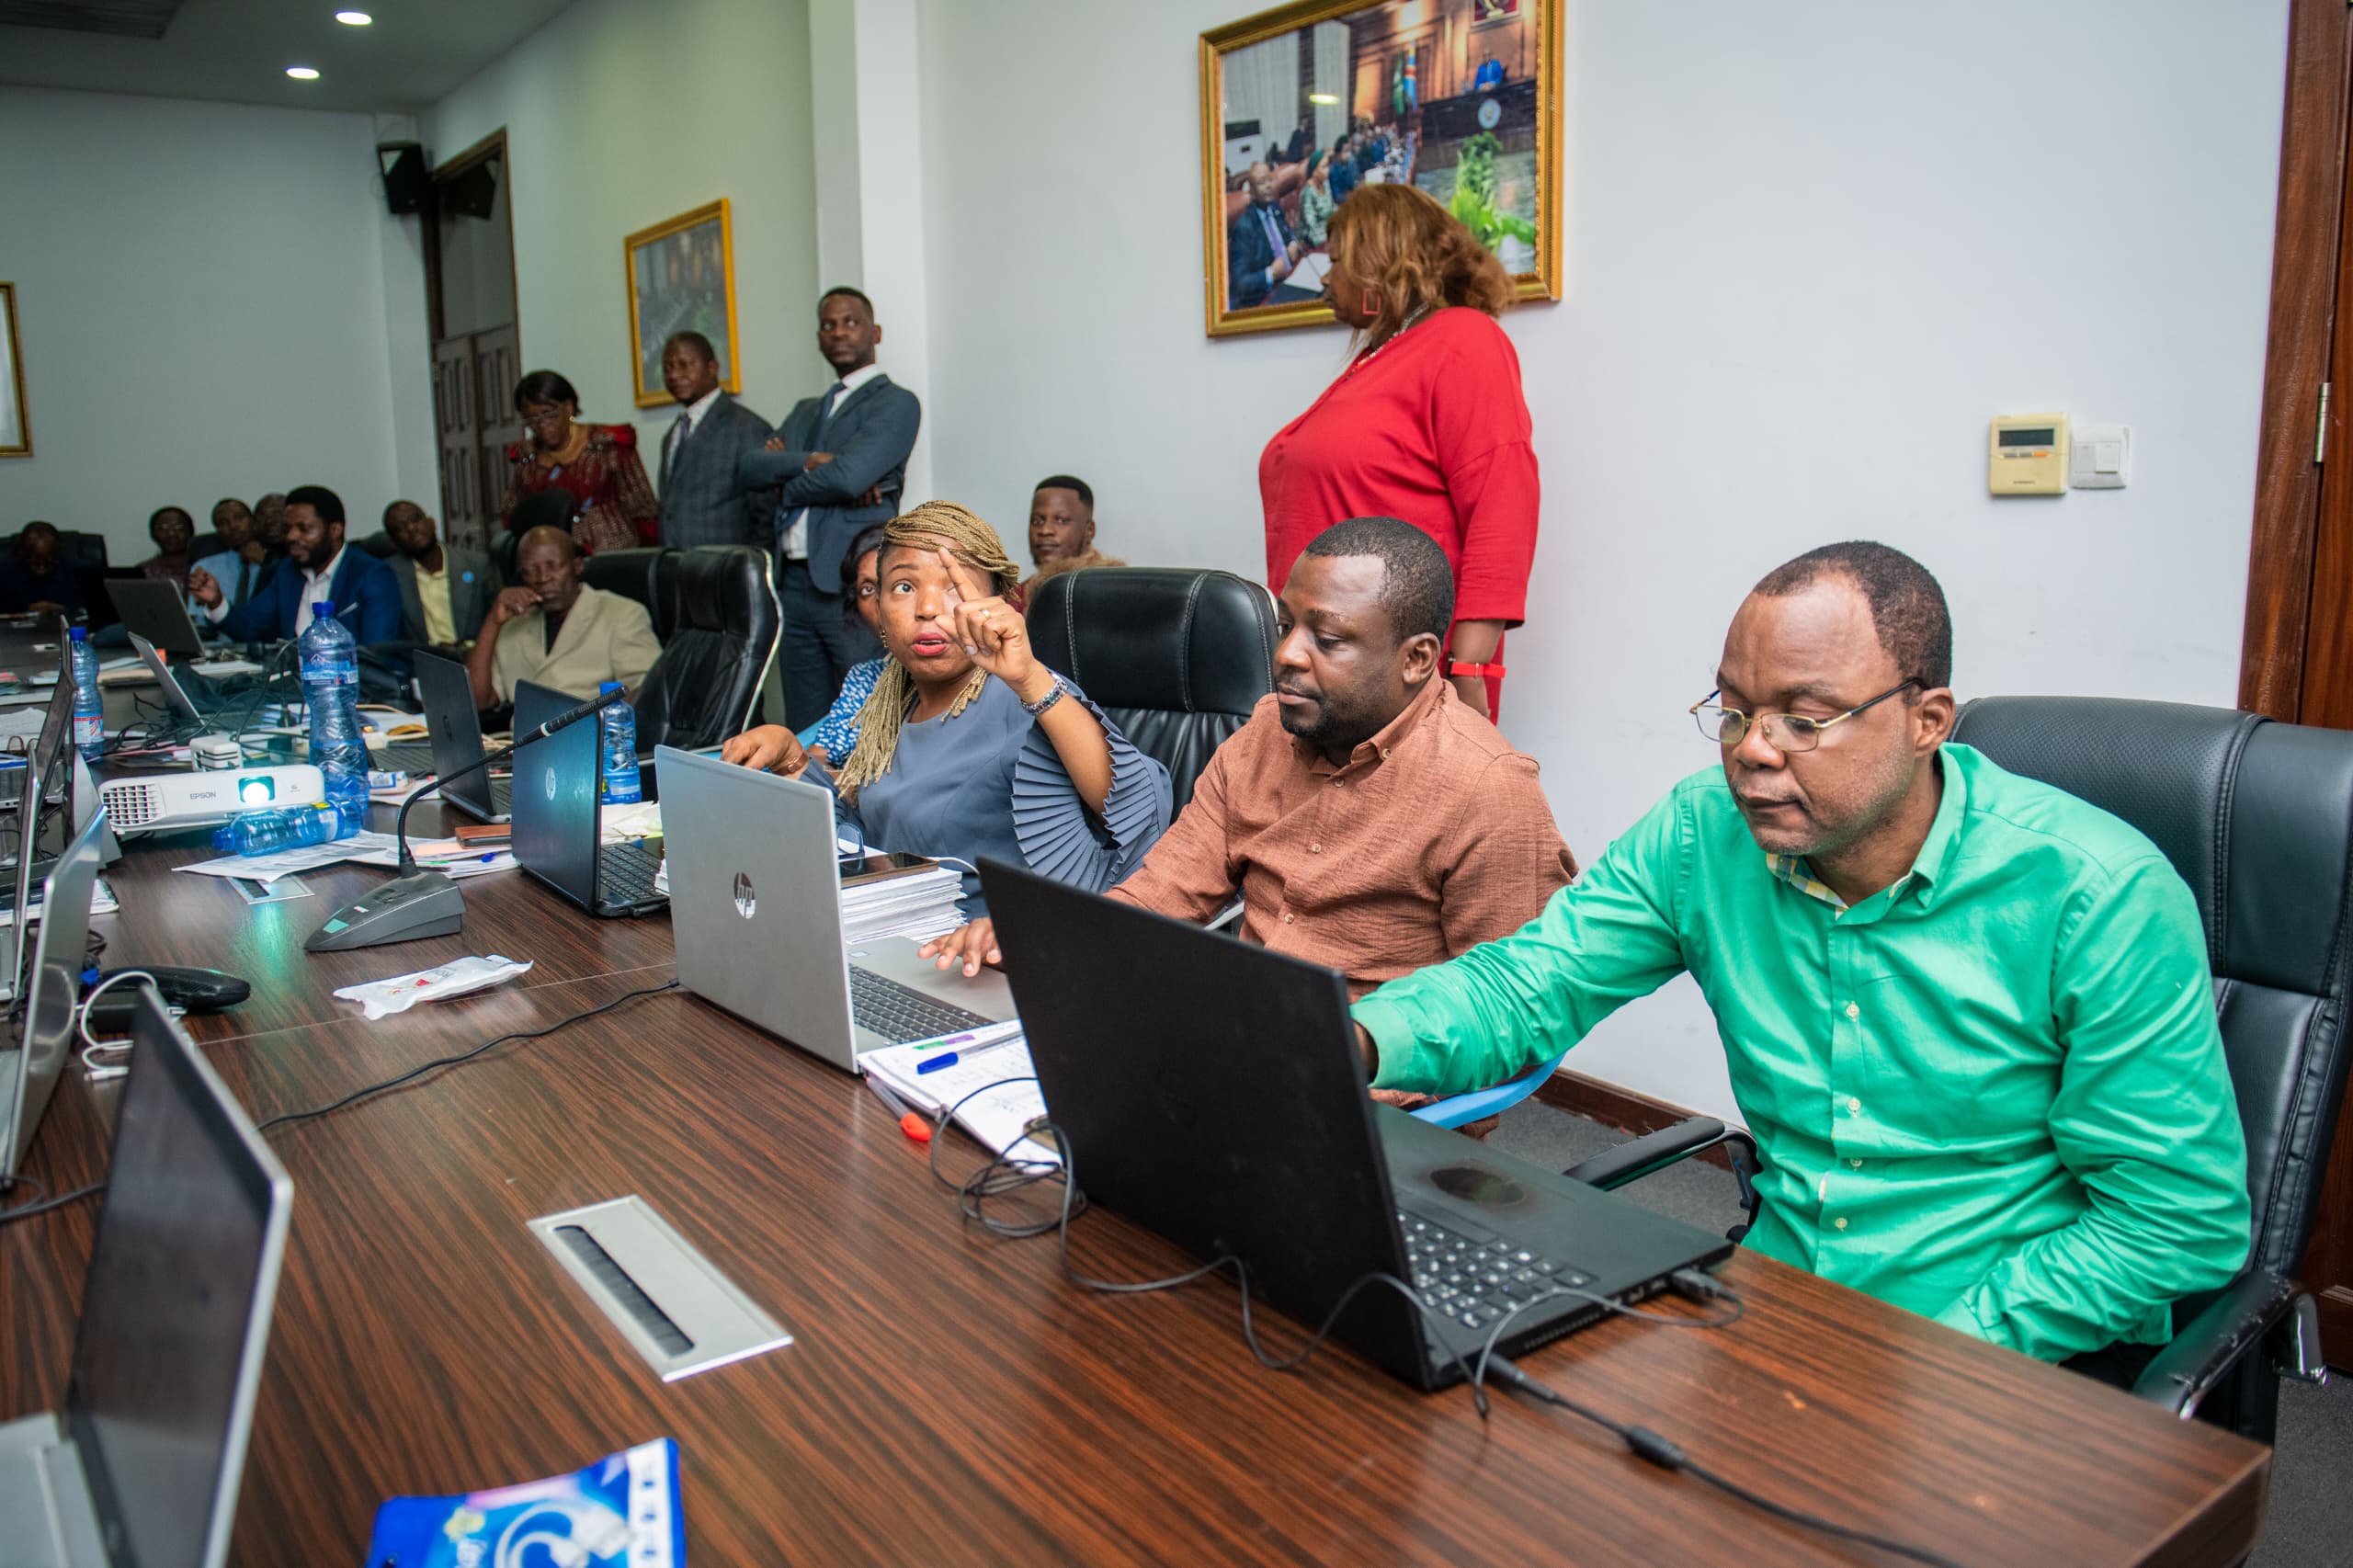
[421, 904]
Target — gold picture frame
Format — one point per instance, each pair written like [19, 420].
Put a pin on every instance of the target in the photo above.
[15, 423]
[1496, 69]
[681, 277]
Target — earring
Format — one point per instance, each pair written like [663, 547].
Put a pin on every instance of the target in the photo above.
[1371, 304]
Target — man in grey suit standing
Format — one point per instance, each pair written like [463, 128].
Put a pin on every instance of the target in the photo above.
[701, 502]
[842, 461]
[445, 593]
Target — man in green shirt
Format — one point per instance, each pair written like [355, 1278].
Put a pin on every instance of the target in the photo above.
[1967, 1016]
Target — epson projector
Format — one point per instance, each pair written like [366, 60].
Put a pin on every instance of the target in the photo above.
[158, 802]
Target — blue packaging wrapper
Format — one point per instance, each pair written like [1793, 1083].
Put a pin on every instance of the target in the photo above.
[621, 1512]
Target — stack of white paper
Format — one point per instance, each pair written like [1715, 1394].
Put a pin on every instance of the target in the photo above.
[921, 905]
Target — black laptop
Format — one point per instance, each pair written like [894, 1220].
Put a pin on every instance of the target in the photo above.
[454, 728]
[557, 816]
[1212, 1091]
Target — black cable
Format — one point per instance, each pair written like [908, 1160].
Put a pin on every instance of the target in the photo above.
[1649, 1446]
[26, 1212]
[282, 1117]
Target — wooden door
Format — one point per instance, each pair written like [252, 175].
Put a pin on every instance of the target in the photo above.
[498, 366]
[456, 432]
[2296, 660]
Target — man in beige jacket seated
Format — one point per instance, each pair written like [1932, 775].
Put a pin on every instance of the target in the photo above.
[554, 630]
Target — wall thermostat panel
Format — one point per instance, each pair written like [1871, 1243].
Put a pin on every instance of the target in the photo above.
[2026, 454]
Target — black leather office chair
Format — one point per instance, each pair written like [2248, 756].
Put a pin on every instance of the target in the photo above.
[79, 550]
[707, 682]
[1177, 658]
[648, 574]
[2257, 817]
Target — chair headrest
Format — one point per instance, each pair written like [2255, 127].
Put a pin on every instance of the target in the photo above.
[2256, 816]
[720, 586]
[1143, 637]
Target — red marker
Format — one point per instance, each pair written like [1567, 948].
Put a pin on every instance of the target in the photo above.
[913, 1126]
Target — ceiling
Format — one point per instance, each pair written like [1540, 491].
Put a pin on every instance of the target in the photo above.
[237, 50]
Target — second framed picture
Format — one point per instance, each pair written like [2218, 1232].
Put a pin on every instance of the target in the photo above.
[1305, 104]
[682, 278]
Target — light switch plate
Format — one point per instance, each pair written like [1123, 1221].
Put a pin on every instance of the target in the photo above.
[2101, 457]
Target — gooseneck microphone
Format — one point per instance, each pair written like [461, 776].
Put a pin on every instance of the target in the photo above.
[420, 902]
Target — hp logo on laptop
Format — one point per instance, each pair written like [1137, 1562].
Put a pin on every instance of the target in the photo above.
[747, 901]
[551, 783]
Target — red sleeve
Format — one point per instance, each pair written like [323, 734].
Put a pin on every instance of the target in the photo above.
[1479, 423]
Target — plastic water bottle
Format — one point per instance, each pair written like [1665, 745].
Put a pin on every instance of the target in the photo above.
[89, 717]
[282, 827]
[330, 661]
[617, 737]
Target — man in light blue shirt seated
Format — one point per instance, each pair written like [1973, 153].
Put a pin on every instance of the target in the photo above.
[242, 562]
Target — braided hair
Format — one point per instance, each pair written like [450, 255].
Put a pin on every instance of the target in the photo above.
[932, 526]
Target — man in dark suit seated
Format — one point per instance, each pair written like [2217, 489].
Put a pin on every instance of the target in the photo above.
[317, 568]
[841, 460]
[701, 502]
[35, 576]
[444, 592]
[1260, 249]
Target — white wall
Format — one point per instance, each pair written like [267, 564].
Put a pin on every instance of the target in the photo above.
[1810, 248]
[619, 114]
[200, 289]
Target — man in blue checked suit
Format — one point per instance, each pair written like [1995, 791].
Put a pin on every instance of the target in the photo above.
[841, 461]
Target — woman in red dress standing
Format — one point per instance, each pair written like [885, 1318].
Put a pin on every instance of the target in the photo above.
[596, 463]
[1427, 423]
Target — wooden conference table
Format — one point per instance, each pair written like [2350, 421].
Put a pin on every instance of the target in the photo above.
[948, 1397]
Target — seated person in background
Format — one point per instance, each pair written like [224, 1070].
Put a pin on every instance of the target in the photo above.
[173, 530]
[830, 739]
[242, 561]
[1441, 839]
[969, 747]
[1343, 163]
[34, 577]
[269, 524]
[442, 589]
[1062, 532]
[555, 630]
[1260, 249]
[1968, 1017]
[317, 568]
[1316, 203]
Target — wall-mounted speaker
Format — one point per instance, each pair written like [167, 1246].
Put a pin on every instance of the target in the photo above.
[472, 192]
[408, 184]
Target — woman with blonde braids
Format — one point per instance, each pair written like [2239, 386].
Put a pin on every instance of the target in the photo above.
[967, 746]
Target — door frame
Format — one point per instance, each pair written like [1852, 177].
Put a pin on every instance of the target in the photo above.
[2304, 258]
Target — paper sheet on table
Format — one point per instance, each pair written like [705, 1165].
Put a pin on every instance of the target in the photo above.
[367, 848]
[21, 722]
[639, 819]
[999, 1115]
[1308, 272]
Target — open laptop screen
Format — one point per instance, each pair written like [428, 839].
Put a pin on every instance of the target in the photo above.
[455, 731]
[175, 1308]
[554, 800]
[47, 986]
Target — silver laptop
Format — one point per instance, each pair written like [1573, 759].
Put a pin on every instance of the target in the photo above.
[174, 692]
[144, 1463]
[756, 913]
[53, 981]
[156, 610]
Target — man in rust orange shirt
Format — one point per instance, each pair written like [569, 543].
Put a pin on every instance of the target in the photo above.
[1368, 820]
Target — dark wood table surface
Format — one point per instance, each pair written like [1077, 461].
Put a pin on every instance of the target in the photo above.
[948, 1396]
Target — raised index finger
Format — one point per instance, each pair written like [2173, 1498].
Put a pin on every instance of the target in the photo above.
[962, 582]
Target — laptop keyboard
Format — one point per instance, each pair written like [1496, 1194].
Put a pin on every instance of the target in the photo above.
[625, 873]
[1476, 1280]
[900, 1013]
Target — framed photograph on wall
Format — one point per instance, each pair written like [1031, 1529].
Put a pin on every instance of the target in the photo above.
[1303, 105]
[682, 278]
[15, 424]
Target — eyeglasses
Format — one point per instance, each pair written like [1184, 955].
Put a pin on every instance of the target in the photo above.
[1783, 731]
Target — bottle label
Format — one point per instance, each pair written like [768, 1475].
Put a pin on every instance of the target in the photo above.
[327, 669]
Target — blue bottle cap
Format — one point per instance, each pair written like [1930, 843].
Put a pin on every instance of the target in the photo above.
[610, 688]
[78, 634]
[323, 610]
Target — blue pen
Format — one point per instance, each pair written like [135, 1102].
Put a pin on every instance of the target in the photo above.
[938, 1063]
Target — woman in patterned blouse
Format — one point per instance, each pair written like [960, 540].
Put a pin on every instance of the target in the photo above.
[597, 464]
